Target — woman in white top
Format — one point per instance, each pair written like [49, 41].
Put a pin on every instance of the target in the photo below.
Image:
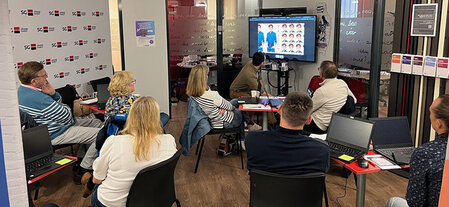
[141, 144]
[221, 113]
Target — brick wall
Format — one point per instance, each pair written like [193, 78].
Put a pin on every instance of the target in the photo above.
[9, 116]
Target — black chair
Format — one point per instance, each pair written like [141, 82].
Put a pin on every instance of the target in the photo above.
[68, 94]
[270, 189]
[155, 185]
[199, 146]
[95, 82]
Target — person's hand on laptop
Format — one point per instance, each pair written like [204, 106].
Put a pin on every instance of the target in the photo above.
[48, 89]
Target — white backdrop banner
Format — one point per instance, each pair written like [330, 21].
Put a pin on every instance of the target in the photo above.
[71, 39]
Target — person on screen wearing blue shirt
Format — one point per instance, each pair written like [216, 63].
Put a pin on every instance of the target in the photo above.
[298, 27]
[290, 48]
[284, 38]
[271, 39]
[298, 38]
[260, 38]
[284, 28]
[284, 47]
[292, 28]
[298, 48]
[291, 38]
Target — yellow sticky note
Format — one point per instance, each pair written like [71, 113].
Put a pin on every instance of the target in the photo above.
[345, 157]
[63, 161]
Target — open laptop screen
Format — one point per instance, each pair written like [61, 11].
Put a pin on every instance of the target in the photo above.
[36, 143]
[103, 93]
[391, 131]
[349, 130]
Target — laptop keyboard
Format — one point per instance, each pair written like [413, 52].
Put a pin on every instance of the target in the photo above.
[40, 164]
[343, 149]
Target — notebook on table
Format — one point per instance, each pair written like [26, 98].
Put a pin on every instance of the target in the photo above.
[103, 96]
[392, 139]
[348, 137]
[38, 152]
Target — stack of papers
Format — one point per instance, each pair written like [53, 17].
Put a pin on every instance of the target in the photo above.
[256, 106]
[382, 162]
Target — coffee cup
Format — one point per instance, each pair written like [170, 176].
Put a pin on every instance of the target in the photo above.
[255, 93]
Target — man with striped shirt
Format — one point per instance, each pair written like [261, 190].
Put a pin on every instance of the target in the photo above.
[38, 98]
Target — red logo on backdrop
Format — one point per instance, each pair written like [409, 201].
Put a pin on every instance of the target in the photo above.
[56, 13]
[81, 42]
[45, 29]
[49, 61]
[69, 28]
[82, 70]
[61, 75]
[29, 12]
[72, 58]
[99, 41]
[18, 30]
[33, 46]
[89, 27]
[18, 64]
[91, 55]
[101, 67]
[97, 13]
[76, 85]
[78, 13]
[59, 44]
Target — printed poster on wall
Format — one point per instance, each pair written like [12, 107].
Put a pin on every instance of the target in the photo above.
[70, 38]
[145, 34]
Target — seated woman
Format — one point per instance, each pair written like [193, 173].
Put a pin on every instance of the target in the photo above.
[141, 144]
[121, 88]
[221, 113]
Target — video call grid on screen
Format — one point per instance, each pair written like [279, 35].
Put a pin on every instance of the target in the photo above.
[292, 38]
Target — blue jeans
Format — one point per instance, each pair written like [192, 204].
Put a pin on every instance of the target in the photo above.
[164, 118]
[94, 201]
[237, 120]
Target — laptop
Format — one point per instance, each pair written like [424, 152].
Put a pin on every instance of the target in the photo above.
[103, 96]
[348, 137]
[38, 152]
[392, 139]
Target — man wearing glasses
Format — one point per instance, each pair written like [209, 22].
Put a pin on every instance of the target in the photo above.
[38, 98]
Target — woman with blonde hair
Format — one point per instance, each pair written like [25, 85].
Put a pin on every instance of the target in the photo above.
[221, 113]
[121, 88]
[139, 145]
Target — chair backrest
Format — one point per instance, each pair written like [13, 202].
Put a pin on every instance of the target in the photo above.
[270, 189]
[95, 82]
[68, 94]
[314, 83]
[111, 127]
[358, 88]
[155, 185]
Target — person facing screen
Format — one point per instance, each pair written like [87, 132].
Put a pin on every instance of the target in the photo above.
[140, 144]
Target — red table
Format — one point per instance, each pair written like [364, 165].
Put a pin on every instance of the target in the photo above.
[40, 177]
[361, 173]
[93, 107]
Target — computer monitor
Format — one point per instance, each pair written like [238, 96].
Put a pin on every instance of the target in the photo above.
[350, 131]
[36, 143]
[285, 38]
[392, 132]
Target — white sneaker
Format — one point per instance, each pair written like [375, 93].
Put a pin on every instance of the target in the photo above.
[254, 127]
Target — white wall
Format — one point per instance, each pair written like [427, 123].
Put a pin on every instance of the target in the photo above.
[305, 71]
[9, 116]
[149, 64]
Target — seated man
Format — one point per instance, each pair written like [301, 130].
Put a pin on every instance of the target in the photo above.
[38, 98]
[427, 162]
[285, 150]
[328, 98]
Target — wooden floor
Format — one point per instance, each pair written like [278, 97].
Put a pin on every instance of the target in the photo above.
[220, 181]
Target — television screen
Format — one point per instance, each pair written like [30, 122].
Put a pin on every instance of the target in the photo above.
[286, 38]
